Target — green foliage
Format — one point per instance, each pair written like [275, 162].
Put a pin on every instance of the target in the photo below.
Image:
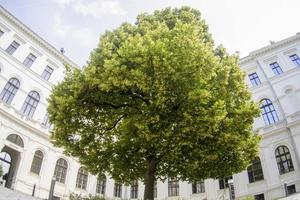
[90, 197]
[157, 90]
[246, 198]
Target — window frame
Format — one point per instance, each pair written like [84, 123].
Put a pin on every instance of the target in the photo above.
[10, 90]
[173, 187]
[223, 183]
[61, 170]
[284, 159]
[268, 112]
[254, 79]
[46, 74]
[255, 171]
[117, 190]
[259, 196]
[30, 104]
[29, 60]
[277, 70]
[198, 187]
[14, 45]
[82, 178]
[101, 186]
[134, 190]
[295, 59]
[37, 161]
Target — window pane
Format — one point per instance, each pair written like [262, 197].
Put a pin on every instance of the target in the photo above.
[9, 90]
[37, 162]
[254, 79]
[173, 187]
[12, 47]
[276, 68]
[47, 73]
[82, 178]
[29, 60]
[60, 171]
[268, 112]
[30, 104]
[295, 59]
[284, 160]
[255, 172]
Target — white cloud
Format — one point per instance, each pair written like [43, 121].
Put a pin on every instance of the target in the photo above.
[83, 36]
[63, 3]
[98, 8]
[94, 8]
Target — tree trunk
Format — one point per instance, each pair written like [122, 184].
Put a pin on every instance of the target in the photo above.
[149, 180]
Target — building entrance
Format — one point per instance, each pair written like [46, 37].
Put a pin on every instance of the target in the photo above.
[9, 159]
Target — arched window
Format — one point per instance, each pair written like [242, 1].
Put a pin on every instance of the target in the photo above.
[10, 90]
[37, 162]
[60, 171]
[16, 140]
[101, 185]
[30, 103]
[284, 159]
[173, 187]
[268, 111]
[82, 178]
[255, 172]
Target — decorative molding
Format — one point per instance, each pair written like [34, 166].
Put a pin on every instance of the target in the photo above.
[35, 51]
[19, 39]
[269, 48]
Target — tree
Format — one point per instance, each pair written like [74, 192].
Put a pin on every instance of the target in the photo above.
[157, 100]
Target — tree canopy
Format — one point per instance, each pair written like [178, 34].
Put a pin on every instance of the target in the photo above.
[157, 99]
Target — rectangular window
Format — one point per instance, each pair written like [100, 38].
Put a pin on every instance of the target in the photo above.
[155, 189]
[295, 59]
[173, 187]
[118, 190]
[223, 183]
[46, 121]
[47, 73]
[254, 79]
[259, 196]
[101, 185]
[29, 60]
[291, 189]
[134, 190]
[198, 187]
[276, 68]
[12, 47]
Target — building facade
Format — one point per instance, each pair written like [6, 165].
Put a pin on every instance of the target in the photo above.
[29, 67]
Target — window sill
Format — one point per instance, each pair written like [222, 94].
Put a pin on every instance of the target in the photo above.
[37, 176]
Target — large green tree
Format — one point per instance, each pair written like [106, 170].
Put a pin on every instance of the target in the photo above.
[157, 100]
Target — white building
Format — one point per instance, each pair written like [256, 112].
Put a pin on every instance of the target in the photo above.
[29, 67]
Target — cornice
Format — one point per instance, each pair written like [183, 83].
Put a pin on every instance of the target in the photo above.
[269, 48]
[24, 123]
[37, 38]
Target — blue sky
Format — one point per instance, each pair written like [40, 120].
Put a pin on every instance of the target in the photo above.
[240, 25]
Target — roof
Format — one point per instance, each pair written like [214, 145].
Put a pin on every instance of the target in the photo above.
[270, 47]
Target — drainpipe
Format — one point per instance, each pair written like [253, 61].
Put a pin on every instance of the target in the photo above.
[283, 114]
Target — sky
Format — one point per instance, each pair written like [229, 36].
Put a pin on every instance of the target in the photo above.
[76, 25]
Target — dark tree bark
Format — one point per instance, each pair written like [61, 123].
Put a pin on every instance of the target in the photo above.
[150, 179]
